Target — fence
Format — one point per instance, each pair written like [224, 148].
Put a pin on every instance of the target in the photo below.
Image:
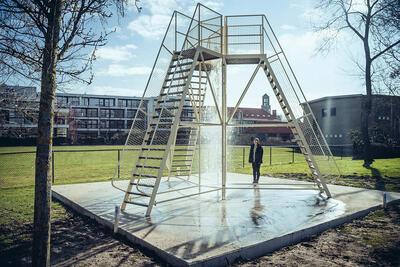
[87, 165]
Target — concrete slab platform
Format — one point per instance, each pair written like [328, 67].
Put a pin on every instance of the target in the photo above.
[205, 230]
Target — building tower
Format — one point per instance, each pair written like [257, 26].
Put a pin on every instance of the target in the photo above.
[265, 103]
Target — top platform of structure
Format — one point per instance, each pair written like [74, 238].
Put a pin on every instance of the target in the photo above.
[239, 39]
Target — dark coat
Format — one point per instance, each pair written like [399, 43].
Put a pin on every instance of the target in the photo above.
[259, 154]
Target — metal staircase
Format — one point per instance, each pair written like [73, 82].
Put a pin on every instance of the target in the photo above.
[167, 133]
[169, 144]
[295, 126]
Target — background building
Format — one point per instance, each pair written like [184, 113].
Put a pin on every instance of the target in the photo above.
[79, 118]
[339, 116]
[263, 115]
[106, 119]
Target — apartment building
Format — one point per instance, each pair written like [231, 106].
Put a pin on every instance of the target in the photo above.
[84, 116]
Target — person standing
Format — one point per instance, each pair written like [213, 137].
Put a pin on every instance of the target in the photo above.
[255, 158]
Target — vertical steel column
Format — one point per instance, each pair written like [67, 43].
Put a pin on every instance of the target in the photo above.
[223, 114]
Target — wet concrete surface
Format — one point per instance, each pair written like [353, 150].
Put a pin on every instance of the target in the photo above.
[204, 230]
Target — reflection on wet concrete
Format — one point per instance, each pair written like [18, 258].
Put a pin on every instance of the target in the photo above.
[205, 226]
[256, 213]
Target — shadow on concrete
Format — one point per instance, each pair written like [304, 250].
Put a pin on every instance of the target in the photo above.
[379, 182]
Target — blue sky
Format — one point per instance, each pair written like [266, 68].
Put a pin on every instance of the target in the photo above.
[123, 65]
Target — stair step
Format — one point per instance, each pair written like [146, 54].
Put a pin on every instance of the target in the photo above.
[178, 166]
[143, 185]
[138, 194]
[154, 158]
[153, 149]
[161, 123]
[178, 71]
[174, 85]
[172, 93]
[181, 160]
[180, 65]
[169, 100]
[180, 171]
[144, 175]
[183, 155]
[172, 107]
[147, 167]
[176, 78]
[136, 203]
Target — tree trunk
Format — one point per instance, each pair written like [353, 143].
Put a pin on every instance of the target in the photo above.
[42, 207]
[365, 117]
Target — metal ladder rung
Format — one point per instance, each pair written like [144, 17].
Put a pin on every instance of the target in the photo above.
[178, 166]
[171, 107]
[172, 93]
[176, 78]
[154, 158]
[138, 194]
[147, 167]
[144, 175]
[174, 85]
[143, 185]
[178, 71]
[180, 65]
[136, 203]
[183, 155]
[153, 149]
[169, 100]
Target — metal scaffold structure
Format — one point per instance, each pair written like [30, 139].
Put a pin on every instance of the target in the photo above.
[186, 97]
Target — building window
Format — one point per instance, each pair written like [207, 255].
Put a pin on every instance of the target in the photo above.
[104, 124]
[85, 101]
[79, 112]
[130, 113]
[92, 124]
[116, 113]
[104, 113]
[129, 124]
[62, 100]
[116, 124]
[333, 112]
[73, 100]
[92, 112]
[106, 102]
[323, 112]
[121, 103]
[94, 102]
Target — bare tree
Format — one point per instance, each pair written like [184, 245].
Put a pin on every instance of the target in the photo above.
[376, 24]
[51, 41]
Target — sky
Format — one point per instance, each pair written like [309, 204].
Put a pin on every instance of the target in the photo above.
[124, 64]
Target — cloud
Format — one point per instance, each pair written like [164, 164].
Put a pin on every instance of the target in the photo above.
[287, 27]
[119, 70]
[214, 5]
[150, 26]
[116, 53]
[157, 14]
[312, 15]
